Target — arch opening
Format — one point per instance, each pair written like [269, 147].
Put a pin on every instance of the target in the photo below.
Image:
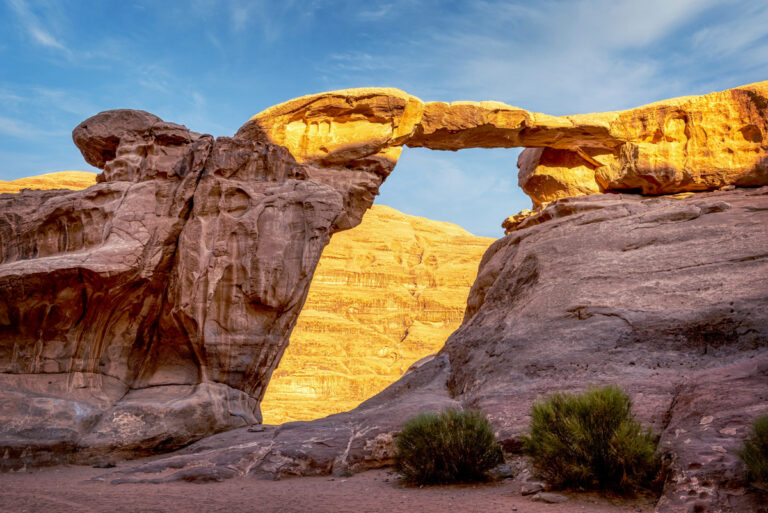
[390, 291]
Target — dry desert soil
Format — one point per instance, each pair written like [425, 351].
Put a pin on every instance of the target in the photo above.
[67, 489]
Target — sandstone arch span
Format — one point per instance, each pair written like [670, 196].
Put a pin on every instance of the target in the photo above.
[692, 143]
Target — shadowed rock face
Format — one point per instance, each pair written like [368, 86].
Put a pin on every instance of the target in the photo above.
[384, 295]
[150, 309]
[694, 143]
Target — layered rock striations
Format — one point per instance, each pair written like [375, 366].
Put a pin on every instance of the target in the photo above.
[385, 294]
[693, 143]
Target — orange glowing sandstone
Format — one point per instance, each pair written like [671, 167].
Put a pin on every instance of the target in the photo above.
[384, 295]
[691, 143]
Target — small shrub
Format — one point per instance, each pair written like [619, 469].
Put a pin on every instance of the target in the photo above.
[591, 440]
[452, 447]
[755, 452]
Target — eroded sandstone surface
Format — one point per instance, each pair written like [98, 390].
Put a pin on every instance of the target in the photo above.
[385, 294]
[150, 310]
[693, 143]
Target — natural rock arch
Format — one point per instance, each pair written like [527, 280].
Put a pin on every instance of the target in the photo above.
[159, 318]
[692, 143]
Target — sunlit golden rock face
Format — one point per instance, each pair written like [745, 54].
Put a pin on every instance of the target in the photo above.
[692, 143]
[74, 180]
[384, 295]
[342, 126]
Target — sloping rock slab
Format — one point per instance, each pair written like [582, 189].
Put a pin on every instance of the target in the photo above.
[353, 441]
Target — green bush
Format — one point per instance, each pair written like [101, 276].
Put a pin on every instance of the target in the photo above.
[452, 447]
[755, 452]
[591, 440]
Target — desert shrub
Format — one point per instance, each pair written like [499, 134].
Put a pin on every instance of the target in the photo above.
[591, 440]
[454, 446]
[755, 452]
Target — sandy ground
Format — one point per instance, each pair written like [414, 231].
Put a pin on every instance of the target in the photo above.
[68, 489]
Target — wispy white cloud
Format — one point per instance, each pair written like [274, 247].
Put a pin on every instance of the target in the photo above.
[269, 19]
[44, 99]
[561, 57]
[198, 100]
[240, 14]
[45, 38]
[566, 56]
[735, 36]
[214, 40]
[21, 129]
[625, 23]
[8, 97]
[154, 77]
[354, 62]
[72, 102]
[34, 27]
[380, 11]
[384, 9]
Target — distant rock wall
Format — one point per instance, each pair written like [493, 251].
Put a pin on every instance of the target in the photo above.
[74, 180]
[384, 295]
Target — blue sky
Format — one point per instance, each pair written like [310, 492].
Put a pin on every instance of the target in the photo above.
[212, 64]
